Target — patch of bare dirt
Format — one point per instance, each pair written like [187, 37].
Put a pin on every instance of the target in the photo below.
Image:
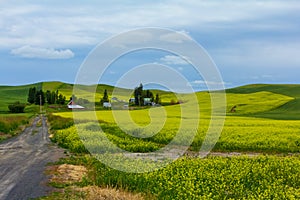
[69, 174]
[66, 173]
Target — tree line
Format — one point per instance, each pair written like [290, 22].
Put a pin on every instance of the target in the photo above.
[38, 97]
[140, 95]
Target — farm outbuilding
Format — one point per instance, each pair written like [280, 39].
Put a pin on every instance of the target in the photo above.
[72, 105]
[106, 105]
[147, 101]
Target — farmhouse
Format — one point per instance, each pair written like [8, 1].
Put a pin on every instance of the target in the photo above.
[106, 105]
[147, 101]
[72, 105]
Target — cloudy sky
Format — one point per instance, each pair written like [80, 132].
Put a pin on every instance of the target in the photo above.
[249, 41]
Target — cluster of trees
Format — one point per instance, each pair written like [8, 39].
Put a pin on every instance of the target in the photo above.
[140, 95]
[80, 100]
[16, 107]
[39, 96]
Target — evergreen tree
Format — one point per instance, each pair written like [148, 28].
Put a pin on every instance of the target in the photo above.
[53, 97]
[56, 97]
[31, 95]
[61, 99]
[138, 95]
[105, 97]
[48, 97]
[157, 99]
[148, 94]
[39, 97]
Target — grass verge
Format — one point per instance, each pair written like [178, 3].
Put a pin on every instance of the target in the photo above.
[12, 124]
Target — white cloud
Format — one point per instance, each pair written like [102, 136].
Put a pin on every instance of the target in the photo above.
[44, 53]
[244, 35]
[174, 60]
[45, 24]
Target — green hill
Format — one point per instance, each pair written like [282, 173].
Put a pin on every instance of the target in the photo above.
[288, 110]
[277, 101]
[10, 94]
[292, 90]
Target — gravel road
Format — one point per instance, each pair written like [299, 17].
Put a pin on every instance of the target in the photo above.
[23, 160]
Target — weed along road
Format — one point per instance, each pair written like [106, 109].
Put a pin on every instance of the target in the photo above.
[23, 160]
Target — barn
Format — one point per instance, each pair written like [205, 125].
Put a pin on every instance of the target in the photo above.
[72, 105]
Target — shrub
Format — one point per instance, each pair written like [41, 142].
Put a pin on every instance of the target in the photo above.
[16, 107]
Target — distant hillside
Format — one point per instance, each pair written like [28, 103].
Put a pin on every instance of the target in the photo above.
[288, 110]
[292, 90]
[87, 91]
[276, 101]
[10, 94]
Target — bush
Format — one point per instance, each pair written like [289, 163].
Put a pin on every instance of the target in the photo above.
[16, 107]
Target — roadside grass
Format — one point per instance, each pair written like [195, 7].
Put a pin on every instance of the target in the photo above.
[11, 124]
[92, 193]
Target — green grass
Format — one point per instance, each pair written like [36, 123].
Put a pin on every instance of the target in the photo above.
[291, 90]
[92, 93]
[261, 100]
[11, 94]
[289, 110]
[10, 124]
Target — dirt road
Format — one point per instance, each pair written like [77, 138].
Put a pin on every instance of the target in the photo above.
[23, 160]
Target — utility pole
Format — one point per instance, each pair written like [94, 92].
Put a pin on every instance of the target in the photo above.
[41, 104]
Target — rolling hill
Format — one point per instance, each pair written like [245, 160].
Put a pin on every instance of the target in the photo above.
[287, 110]
[277, 101]
[10, 94]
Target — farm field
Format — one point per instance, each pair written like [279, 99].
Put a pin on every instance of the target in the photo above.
[264, 129]
[244, 134]
[274, 174]
[268, 169]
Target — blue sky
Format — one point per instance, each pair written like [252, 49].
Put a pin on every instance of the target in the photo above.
[250, 41]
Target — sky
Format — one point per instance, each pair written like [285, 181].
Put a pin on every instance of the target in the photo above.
[249, 41]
